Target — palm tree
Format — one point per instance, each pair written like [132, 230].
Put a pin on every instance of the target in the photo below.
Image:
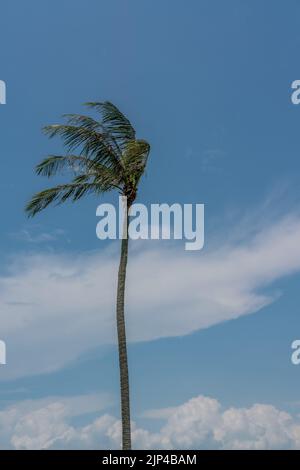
[108, 157]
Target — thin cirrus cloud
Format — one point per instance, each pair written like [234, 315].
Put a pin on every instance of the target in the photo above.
[41, 237]
[199, 423]
[68, 300]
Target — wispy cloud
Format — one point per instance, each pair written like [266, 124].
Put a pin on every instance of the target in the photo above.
[39, 237]
[68, 300]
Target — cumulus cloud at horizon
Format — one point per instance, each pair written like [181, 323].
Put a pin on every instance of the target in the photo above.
[199, 423]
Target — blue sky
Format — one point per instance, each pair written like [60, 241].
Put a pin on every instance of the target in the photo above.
[208, 84]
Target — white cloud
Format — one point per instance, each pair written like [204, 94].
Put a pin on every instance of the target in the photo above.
[68, 300]
[45, 420]
[200, 423]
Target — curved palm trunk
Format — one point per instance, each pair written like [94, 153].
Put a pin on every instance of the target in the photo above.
[123, 361]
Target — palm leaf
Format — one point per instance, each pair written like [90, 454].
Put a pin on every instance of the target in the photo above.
[59, 194]
[114, 121]
[53, 164]
[92, 143]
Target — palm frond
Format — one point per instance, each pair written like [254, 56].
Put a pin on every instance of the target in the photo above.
[92, 143]
[93, 125]
[83, 121]
[53, 164]
[81, 166]
[114, 121]
[59, 194]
